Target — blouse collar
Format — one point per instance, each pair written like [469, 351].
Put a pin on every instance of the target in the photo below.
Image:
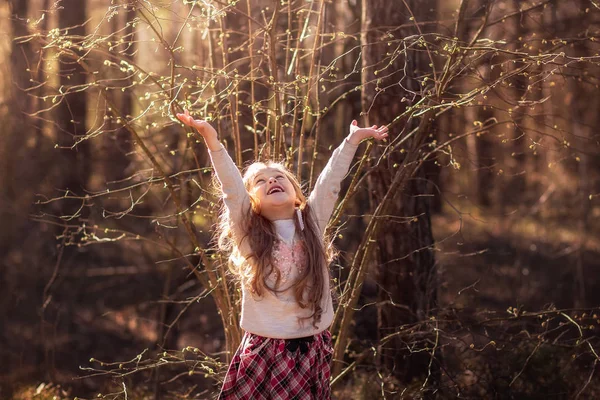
[285, 229]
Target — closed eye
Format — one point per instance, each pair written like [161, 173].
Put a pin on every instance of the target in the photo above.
[259, 181]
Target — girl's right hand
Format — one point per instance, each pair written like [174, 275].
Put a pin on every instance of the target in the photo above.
[203, 127]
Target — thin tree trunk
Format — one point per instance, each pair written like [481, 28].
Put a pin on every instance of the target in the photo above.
[70, 115]
[12, 165]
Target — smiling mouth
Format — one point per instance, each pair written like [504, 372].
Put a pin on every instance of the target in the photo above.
[275, 189]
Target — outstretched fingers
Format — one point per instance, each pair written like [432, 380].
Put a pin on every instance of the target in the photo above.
[186, 118]
[381, 132]
[182, 118]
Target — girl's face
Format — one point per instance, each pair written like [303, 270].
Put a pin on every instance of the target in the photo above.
[272, 188]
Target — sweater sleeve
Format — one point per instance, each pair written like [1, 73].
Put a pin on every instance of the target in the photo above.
[324, 195]
[235, 196]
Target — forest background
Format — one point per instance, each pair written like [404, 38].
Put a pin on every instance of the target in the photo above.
[469, 242]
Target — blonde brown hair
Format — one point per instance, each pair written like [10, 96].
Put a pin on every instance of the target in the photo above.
[260, 233]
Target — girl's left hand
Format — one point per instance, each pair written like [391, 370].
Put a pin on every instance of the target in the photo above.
[358, 134]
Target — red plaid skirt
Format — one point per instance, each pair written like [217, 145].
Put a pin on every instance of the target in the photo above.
[279, 369]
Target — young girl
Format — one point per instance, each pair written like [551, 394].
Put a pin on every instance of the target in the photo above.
[276, 238]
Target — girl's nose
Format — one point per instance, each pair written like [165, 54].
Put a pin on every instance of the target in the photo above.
[271, 179]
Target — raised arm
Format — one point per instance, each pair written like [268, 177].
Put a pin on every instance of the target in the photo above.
[235, 196]
[327, 188]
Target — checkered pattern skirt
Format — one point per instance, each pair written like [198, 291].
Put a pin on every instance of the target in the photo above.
[279, 369]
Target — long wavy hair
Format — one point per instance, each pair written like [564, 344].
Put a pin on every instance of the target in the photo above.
[255, 268]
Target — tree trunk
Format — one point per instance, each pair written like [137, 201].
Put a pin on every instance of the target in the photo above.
[481, 152]
[15, 199]
[21, 57]
[70, 116]
[117, 159]
[405, 261]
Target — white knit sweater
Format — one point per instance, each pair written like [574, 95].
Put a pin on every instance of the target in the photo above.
[277, 315]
